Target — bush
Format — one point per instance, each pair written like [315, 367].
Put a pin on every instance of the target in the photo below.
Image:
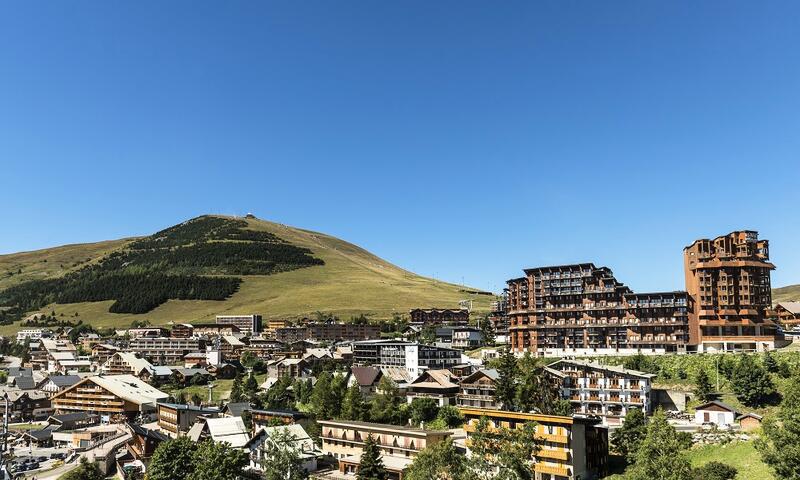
[714, 471]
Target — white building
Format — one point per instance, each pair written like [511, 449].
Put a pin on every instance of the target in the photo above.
[31, 334]
[714, 412]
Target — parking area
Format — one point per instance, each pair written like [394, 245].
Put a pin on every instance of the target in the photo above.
[30, 459]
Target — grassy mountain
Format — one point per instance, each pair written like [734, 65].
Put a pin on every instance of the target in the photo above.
[790, 293]
[216, 265]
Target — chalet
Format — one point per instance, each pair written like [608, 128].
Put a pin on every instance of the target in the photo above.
[195, 360]
[788, 314]
[144, 441]
[56, 383]
[127, 363]
[101, 352]
[223, 370]
[288, 367]
[114, 397]
[440, 385]
[478, 390]
[367, 379]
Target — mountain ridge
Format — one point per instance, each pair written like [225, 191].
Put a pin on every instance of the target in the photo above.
[352, 281]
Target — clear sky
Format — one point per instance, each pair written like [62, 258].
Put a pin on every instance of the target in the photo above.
[456, 139]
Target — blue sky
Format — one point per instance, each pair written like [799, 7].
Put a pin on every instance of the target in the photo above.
[465, 140]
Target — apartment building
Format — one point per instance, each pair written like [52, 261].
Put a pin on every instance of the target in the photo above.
[165, 350]
[603, 390]
[127, 363]
[32, 334]
[412, 356]
[572, 448]
[439, 316]
[728, 279]
[176, 419]
[478, 390]
[248, 324]
[147, 332]
[583, 309]
[114, 397]
[344, 440]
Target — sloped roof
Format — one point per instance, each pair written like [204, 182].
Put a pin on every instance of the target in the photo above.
[235, 409]
[793, 307]
[366, 376]
[233, 340]
[717, 403]
[435, 379]
[24, 383]
[228, 429]
[63, 381]
[490, 373]
[126, 387]
[138, 364]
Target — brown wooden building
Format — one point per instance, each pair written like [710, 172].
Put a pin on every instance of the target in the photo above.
[728, 279]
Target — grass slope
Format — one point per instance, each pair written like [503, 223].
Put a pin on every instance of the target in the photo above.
[786, 294]
[352, 281]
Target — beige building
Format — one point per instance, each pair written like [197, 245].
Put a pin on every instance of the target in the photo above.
[344, 440]
[570, 447]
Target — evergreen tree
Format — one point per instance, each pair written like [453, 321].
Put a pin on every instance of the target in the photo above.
[250, 387]
[338, 392]
[751, 383]
[627, 438]
[661, 454]
[506, 384]
[702, 386]
[769, 362]
[353, 407]
[237, 389]
[371, 466]
[441, 461]
[779, 444]
[384, 407]
[197, 399]
[321, 397]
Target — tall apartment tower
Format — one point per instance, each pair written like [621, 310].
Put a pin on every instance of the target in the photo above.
[728, 279]
[583, 309]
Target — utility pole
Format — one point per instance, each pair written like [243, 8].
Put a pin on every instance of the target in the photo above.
[210, 387]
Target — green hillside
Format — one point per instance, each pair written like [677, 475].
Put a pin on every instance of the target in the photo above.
[786, 294]
[285, 272]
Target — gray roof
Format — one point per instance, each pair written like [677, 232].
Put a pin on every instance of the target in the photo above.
[793, 307]
[64, 380]
[236, 409]
[24, 383]
[717, 403]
